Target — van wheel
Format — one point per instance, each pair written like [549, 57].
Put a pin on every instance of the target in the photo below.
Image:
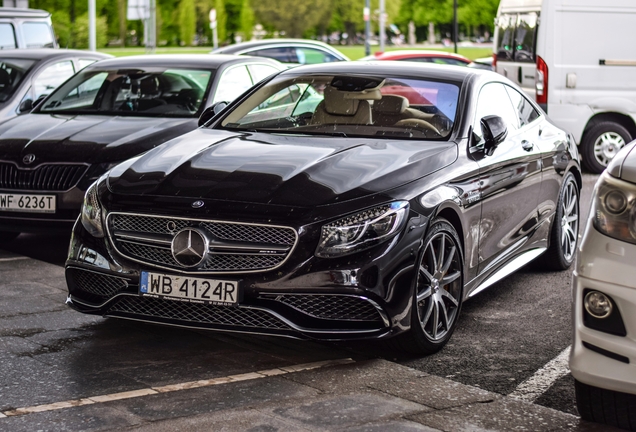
[601, 143]
[606, 406]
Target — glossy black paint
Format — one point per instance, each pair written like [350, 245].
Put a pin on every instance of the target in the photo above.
[501, 204]
[98, 141]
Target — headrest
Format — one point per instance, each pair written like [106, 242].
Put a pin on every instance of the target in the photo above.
[148, 86]
[391, 104]
[336, 104]
[5, 78]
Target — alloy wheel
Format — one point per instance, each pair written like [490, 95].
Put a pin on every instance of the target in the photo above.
[569, 220]
[606, 146]
[439, 286]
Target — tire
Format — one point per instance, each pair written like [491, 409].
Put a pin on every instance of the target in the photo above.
[564, 234]
[601, 143]
[437, 291]
[606, 406]
[7, 236]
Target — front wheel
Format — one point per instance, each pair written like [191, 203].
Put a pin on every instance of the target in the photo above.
[437, 291]
[564, 234]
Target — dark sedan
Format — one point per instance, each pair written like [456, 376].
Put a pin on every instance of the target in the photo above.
[26, 76]
[105, 114]
[336, 201]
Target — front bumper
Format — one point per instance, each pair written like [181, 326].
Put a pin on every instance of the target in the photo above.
[606, 265]
[367, 297]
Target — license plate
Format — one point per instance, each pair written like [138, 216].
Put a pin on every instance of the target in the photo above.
[27, 203]
[189, 289]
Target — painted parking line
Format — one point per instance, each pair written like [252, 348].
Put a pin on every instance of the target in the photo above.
[530, 389]
[172, 388]
[18, 258]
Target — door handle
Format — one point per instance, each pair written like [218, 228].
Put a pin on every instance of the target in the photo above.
[527, 145]
[520, 75]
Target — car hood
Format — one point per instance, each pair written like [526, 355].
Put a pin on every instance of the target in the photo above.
[85, 138]
[278, 169]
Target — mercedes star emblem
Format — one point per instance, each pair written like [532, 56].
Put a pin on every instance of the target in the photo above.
[198, 204]
[28, 159]
[190, 247]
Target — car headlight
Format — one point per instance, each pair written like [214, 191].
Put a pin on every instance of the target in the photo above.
[614, 208]
[92, 212]
[361, 230]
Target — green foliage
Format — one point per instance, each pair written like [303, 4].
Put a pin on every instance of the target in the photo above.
[246, 20]
[221, 20]
[294, 17]
[187, 22]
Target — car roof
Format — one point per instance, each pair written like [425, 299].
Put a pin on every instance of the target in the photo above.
[48, 53]
[8, 12]
[422, 53]
[390, 68]
[197, 61]
[266, 42]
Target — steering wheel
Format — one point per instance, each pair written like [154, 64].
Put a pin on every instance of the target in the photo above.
[418, 124]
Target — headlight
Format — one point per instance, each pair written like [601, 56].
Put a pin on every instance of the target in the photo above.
[614, 208]
[361, 230]
[92, 212]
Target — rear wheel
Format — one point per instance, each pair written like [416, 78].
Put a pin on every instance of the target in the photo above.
[606, 406]
[601, 143]
[564, 234]
[437, 293]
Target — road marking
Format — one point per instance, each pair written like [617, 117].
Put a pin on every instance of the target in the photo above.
[542, 380]
[14, 258]
[172, 388]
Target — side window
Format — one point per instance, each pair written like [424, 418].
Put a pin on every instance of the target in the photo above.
[7, 36]
[525, 37]
[37, 35]
[313, 56]
[494, 100]
[261, 71]
[82, 63]
[51, 77]
[506, 26]
[232, 84]
[283, 54]
[525, 111]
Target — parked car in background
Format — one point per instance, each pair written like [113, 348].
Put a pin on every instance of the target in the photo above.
[565, 54]
[424, 56]
[26, 76]
[373, 207]
[26, 28]
[108, 112]
[288, 51]
[604, 302]
[483, 63]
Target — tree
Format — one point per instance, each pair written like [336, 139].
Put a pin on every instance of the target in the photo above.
[187, 21]
[294, 17]
[246, 20]
[221, 20]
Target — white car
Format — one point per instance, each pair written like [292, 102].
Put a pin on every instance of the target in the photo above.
[603, 356]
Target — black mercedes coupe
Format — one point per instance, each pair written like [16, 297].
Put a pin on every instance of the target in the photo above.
[108, 112]
[338, 201]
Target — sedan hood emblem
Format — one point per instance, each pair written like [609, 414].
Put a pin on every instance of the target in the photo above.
[198, 204]
[190, 247]
[28, 159]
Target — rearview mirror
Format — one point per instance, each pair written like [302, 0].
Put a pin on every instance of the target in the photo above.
[211, 111]
[495, 131]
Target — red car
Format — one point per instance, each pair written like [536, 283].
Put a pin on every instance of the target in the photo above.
[426, 56]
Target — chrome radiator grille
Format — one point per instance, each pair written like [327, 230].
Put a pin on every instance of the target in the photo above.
[51, 177]
[331, 306]
[233, 247]
[196, 313]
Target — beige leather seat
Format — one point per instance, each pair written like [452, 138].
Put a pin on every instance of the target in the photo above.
[335, 109]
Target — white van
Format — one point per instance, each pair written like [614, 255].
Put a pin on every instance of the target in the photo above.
[26, 28]
[577, 58]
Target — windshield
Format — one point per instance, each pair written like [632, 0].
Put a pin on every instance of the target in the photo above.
[516, 38]
[166, 93]
[12, 73]
[350, 106]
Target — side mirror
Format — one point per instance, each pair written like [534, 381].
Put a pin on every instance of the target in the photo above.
[495, 131]
[26, 106]
[211, 111]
